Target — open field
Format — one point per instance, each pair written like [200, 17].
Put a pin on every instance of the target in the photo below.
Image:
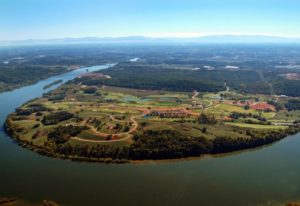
[257, 126]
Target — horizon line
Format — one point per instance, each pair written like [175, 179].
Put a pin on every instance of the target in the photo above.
[178, 35]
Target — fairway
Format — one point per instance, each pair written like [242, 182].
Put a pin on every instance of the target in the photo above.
[78, 120]
[256, 126]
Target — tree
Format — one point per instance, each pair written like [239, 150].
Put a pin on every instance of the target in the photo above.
[203, 130]
[55, 118]
[206, 119]
[247, 107]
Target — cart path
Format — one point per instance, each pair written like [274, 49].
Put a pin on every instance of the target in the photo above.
[129, 135]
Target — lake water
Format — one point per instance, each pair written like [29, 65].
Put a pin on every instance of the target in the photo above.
[266, 176]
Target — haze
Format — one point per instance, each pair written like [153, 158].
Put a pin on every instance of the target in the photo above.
[48, 19]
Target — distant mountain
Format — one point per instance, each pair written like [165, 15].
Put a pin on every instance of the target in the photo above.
[166, 40]
[245, 39]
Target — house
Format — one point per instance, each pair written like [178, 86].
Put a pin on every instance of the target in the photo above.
[167, 113]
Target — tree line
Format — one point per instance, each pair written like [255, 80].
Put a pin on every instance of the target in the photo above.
[169, 144]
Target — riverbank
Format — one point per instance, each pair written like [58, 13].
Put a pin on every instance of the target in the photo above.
[4, 201]
[8, 88]
[217, 146]
[53, 83]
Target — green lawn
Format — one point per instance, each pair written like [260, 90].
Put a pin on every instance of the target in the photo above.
[256, 126]
[96, 112]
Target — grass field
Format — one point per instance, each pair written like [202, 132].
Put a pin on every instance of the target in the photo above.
[113, 115]
[256, 126]
[226, 109]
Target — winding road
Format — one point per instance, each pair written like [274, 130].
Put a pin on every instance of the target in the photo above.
[129, 135]
[195, 95]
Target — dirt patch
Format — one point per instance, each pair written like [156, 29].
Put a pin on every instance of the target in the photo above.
[263, 106]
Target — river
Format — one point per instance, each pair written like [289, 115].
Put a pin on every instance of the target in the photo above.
[265, 176]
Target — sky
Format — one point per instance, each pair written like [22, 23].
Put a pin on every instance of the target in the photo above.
[48, 19]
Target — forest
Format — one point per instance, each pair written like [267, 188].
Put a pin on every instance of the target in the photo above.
[164, 144]
[172, 77]
[246, 68]
[164, 78]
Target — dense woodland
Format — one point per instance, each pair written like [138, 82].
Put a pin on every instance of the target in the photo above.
[293, 104]
[21, 66]
[167, 144]
[26, 74]
[56, 117]
[143, 75]
[162, 78]
[252, 68]
[62, 134]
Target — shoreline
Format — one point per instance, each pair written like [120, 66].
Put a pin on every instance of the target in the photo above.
[15, 201]
[47, 152]
[19, 86]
